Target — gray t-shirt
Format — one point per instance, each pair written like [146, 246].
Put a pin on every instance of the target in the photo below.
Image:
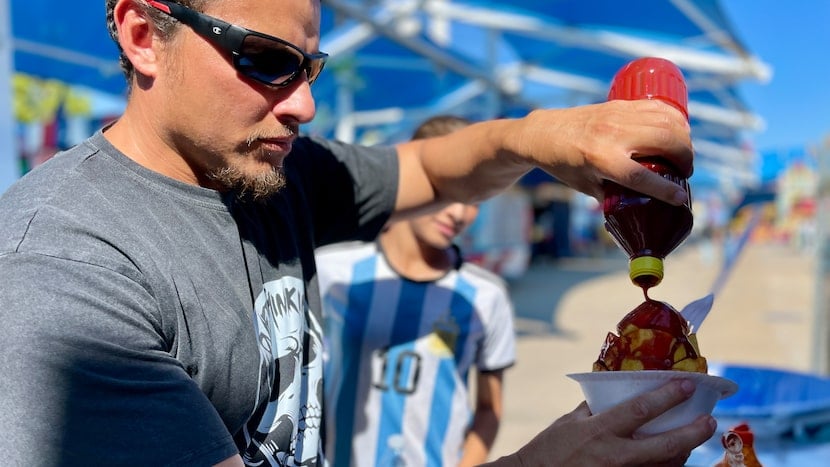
[144, 321]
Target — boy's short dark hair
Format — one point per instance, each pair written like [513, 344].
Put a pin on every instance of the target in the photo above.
[440, 125]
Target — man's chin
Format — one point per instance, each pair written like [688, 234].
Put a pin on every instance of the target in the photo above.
[257, 186]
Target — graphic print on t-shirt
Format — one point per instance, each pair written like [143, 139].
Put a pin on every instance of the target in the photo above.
[285, 427]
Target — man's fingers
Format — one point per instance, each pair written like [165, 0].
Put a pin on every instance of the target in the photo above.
[635, 176]
[626, 418]
[581, 412]
[667, 135]
[668, 448]
[673, 447]
[655, 133]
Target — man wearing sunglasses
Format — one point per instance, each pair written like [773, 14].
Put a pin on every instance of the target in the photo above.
[158, 286]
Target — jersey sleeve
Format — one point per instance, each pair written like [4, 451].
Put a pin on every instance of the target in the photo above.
[92, 381]
[499, 348]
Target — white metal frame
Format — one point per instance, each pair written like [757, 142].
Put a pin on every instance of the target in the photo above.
[394, 20]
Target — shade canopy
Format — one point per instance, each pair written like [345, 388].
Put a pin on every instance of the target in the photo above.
[396, 62]
[67, 41]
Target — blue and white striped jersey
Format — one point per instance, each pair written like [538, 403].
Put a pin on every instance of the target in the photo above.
[398, 353]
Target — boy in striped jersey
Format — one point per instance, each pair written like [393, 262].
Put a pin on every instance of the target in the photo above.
[406, 319]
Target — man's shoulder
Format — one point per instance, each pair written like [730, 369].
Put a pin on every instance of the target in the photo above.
[48, 191]
[313, 147]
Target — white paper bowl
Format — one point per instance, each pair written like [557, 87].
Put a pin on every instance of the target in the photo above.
[605, 389]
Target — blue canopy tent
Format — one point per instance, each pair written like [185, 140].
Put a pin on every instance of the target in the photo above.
[485, 59]
[62, 41]
[395, 62]
[66, 41]
[594, 39]
[382, 81]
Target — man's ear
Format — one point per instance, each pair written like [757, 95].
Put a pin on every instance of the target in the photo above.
[136, 34]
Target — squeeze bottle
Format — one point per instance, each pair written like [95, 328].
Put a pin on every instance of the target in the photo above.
[648, 229]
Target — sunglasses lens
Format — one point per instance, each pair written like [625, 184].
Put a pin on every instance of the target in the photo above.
[268, 61]
[315, 66]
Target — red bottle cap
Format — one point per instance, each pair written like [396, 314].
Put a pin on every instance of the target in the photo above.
[651, 78]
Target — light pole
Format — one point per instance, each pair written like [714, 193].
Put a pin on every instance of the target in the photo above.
[821, 328]
[9, 165]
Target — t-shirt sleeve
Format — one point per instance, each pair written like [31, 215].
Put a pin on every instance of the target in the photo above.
[351, 189]
[499, 349]
[91, 381]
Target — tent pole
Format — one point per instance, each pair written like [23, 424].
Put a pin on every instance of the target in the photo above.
[345, 129]
[9, 166]
[821, 316]
[493, 95]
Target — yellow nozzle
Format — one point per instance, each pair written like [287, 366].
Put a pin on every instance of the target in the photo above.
[646, 266]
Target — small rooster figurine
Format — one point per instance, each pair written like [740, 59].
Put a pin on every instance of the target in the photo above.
[739, 449]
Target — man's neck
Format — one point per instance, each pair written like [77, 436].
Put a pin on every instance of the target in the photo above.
[135, 135]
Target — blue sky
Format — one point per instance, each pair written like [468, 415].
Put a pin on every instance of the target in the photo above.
[793, 37]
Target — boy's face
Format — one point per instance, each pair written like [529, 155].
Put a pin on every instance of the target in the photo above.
[438, 230]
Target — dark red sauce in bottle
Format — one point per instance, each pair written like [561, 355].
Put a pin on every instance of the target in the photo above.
[646, 228]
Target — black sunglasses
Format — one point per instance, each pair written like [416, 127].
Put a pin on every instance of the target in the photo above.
[267, 59]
